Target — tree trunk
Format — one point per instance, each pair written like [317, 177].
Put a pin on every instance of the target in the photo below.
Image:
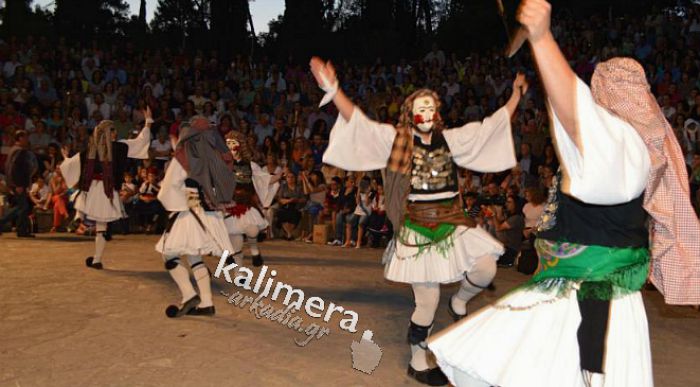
[253, 36]
[427, 13]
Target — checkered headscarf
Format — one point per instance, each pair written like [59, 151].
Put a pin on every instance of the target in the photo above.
[621, 87]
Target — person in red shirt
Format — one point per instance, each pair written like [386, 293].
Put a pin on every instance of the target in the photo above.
[10, 116]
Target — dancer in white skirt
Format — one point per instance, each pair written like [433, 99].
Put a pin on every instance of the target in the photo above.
[436, 243]
[198, 181]
[253, 188]
[100, 171]
[581, 321]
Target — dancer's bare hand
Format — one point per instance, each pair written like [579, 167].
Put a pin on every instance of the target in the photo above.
[535, 16]
[147, 114]
[320, 69]
[520, 84]
[64, 151]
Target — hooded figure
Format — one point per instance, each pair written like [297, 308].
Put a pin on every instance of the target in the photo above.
[618, 213]
[621, 87]
[207, 160]
[197, 183]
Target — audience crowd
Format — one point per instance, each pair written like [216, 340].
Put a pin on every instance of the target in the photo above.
[57, 91]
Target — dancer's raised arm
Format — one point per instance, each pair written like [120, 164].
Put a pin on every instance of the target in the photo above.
[557, 76]
[487, 146]
[589, 138]
[138, 147]
[356, 143]
[325, 75]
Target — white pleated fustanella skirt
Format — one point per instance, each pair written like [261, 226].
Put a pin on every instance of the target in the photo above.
[237, 225]
[528, 339]
[97, 206]
[187, 237]
[409, 265]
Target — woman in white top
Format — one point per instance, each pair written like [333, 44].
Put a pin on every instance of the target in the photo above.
[533, 209]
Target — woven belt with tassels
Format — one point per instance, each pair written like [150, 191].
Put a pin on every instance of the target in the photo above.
[432, 214]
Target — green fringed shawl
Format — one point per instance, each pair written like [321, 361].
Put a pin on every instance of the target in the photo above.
[603, 273]
[439, 238]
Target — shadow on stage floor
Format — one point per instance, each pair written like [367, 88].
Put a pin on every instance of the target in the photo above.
[310, 261]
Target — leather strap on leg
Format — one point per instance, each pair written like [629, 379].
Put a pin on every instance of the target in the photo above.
[417, 334]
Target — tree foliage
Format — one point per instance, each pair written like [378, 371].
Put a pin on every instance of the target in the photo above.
[361, 30]
[18, 18]
[88, 20]
[210, 24]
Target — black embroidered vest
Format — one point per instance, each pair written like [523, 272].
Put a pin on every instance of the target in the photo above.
[432, 170]
[567, 219]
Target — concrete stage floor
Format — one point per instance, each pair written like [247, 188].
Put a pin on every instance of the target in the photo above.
[62, 324]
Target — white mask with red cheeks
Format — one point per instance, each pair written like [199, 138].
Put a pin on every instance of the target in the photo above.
[424, 113]
[234, 146]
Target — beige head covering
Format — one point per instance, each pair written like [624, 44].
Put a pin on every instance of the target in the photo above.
[101, 141]
[620, 86]
[100, 145]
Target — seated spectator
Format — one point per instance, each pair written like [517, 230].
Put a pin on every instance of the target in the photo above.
[377, 224]
[128, 189]
[318, 148]
[546, 177]
[533, 209]
[332, 201]
[55, 121]
[51, 161]
[320, 128]
[39, 140]
[357, 222]
[284, 154]
[209, 111]
[347, 201]
[299, 154]
[508, 225]
[272, 165]
[514, 190]
[161, 149]
[550, 158]
[59, 200]
[141, 175]
[256, 155]
[269, 146]
[469, 182]
[291, 199]
[493, 195]
[122, 125]
[471, 207]
[516, 178]
[314, 186]
[263, 129]
[300, 130]
[147, 205]
[98, 104]
[225, 125]
[528, 162]
[40, 193]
